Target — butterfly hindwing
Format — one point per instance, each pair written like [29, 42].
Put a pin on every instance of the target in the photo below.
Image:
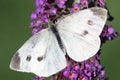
[40, 55]
[80, 32]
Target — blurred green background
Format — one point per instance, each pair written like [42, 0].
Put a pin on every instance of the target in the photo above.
[14, 31]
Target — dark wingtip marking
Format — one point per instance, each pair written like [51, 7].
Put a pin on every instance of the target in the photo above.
[99, 12]
[85, 33]
[40, 58]
[15, 62]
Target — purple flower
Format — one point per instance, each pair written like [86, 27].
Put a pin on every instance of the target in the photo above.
[40, 3]
[35, 30]
[110, 30]
[102, 78]
[87, 72]
[73, 75]
[102, 73]
[84, 78]
[100, 2]
[40, 10]
[66, 73]
[36, 23]
[76, 67]
[87, 66]
[33, 15]
[53, 10]
[76, 8]
[109, 33]
[36, 78]
[45, 18]
[84, 3]
[32, 24]
[61, 3]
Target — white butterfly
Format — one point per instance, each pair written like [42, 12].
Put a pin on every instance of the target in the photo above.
[76, 34]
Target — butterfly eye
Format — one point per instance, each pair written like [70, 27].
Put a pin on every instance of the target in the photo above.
[39, 58]
[90, 22]
[28, 58]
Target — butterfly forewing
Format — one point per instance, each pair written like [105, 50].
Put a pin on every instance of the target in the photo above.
[80, 32]
[40, 55]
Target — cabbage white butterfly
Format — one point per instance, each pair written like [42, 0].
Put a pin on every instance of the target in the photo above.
[76, 34]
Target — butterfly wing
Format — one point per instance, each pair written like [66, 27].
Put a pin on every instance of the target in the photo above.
[80, 32]
[40, 55]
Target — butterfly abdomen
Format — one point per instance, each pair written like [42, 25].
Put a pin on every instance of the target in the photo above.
[56, 33]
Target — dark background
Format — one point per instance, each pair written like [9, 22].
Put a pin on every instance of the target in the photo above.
[14, 31]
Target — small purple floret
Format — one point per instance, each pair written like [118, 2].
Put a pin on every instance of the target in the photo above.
[100, 2]
[61, 3]
[75, 8]
[84, 3]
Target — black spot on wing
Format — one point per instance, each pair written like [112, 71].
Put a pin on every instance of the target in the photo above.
[40, 58]
[15, 62]
[84, 33]
[90, 22]
[28, 58]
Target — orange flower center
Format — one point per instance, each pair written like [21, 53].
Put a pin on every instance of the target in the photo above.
[83, 79]
[71, 74]
[99, 1]
[85, 3]
[76, 8]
